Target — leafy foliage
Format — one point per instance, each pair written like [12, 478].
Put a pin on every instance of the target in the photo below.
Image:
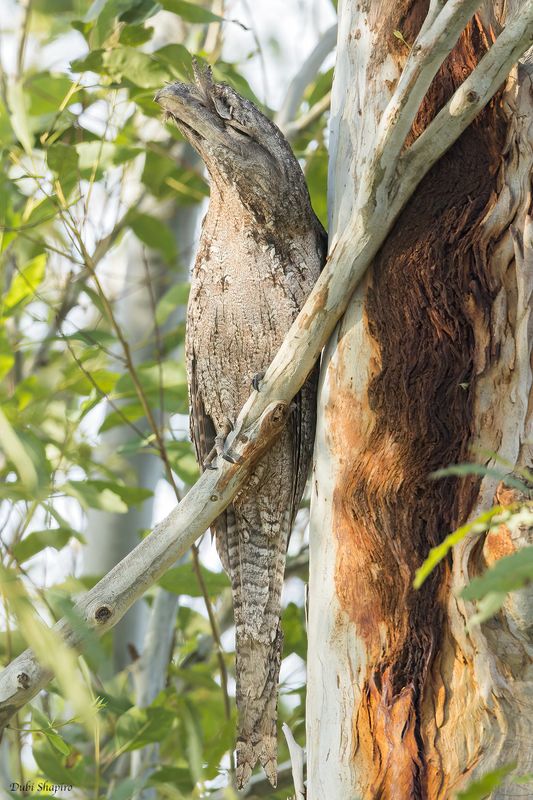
[510, 573]
[481, 789]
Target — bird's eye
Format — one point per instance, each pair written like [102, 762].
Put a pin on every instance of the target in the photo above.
[222, 107]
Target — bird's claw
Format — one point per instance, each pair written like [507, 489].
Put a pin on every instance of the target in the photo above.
[256, 380]
[233, 458]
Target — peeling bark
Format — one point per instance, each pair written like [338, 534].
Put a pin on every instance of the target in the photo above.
[430, 366]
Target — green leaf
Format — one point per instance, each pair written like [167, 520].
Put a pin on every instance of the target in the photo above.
[509, 574]
[223, 71]
[140, 11]
[293, 624]
[180, 777]
[63, 160]
[183, 461]
[90, 497]
[462, 470]
[190, 12]
[132, 495]
[17, 103]
[193, 740]
[176, 58]
[527, 778]
[17, 454]
[138, 68]
[399, 35]
[153, 375]
[506, 575]
[126, 789]
[7, 357]
[55, 765]
[316, 172]
[321, 86]
[164, 177]
[478, 525]
[154, 233]
[115, 703]
[182, 580]
[57, 742]
[38, 540]
[77, 382]
[92, 62]
[91, 336]
[93, 155]
[487, 608]
[135, 35]
[141, 726]
[176, 296]
[129, 412]
[46, 92]
[105, 495]
[25, 283]
[39, 720]
[479, 790]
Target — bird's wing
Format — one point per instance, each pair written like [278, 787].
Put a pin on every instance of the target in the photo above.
[203, 434]
[302, 422]
[303, 419]
[201, 425]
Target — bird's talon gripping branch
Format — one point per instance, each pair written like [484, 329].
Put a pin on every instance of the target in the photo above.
[233, 458]
[256, 380]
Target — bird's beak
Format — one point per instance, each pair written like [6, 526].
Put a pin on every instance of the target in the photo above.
[186, 104]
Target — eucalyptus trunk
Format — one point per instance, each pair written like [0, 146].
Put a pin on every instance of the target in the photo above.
[430, 366]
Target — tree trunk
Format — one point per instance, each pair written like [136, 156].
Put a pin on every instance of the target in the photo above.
[430, 366]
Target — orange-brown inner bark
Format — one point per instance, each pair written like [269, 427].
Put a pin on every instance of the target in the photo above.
[427, 312]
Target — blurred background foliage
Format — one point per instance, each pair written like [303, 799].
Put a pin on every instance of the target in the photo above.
[100, 205]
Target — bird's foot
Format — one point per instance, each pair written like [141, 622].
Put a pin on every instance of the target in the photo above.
[256, 380]
[218, 448]
[227, 455]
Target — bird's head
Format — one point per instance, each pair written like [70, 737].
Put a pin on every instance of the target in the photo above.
[242, 149]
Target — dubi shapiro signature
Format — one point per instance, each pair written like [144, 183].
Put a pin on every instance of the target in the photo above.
[40, 786]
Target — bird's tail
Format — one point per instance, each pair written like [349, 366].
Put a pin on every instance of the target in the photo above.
[257, 700]
[254, 556]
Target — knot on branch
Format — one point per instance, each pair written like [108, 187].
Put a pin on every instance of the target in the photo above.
[102, 614]
[23, 680]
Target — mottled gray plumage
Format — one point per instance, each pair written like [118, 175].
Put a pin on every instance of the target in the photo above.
[260, 254]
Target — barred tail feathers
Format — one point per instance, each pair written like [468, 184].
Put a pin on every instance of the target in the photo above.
[253, 553]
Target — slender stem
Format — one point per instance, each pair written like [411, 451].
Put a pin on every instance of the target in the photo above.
[26, 10]
[101, 392]
[292, 129]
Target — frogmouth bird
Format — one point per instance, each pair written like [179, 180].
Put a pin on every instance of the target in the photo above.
[260, 253]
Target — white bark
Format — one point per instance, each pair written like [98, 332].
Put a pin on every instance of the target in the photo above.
[264, 413]
[483, 724]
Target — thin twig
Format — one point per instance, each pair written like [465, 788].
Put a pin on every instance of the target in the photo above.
[102, 393]
[157, 333]
[292, 129]
[307, 72]
[24, 30]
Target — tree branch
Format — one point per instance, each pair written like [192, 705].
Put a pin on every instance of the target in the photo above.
[292, 129]
[304, 76]
[264, 414]
[431, 47]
